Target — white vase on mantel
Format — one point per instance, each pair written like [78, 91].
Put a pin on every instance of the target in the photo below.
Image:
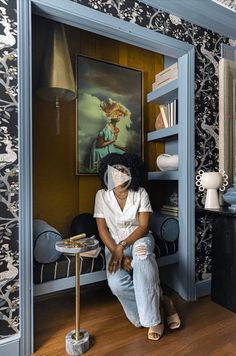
[212, 181]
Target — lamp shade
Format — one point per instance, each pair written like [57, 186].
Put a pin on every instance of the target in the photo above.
[56, 81]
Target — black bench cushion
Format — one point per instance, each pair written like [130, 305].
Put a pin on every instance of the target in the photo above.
[65, 266]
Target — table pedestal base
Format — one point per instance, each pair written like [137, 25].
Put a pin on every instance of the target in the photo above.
[79, 347]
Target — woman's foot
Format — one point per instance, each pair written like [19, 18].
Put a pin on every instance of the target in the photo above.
[172, 317]
[156, 332]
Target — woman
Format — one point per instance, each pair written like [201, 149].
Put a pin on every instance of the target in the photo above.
[122, 216]
[105, 142]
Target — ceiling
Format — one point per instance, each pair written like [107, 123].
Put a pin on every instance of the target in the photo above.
[216, 15]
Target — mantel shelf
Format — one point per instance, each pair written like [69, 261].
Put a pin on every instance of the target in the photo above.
[164, 94]
[167, 175]
[167, 134]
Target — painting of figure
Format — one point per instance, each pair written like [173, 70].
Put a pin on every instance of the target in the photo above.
[109, 112]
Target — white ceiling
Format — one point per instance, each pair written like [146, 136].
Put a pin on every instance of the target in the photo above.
[218, 15]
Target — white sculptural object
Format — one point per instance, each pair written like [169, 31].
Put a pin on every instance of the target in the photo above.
[212, 181]
[167, 162]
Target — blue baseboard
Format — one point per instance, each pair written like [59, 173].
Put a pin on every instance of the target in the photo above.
[10, 346]
[203, 288]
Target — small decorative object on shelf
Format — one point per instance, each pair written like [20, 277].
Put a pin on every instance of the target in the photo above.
[167, 162]
[212, 181]
[230, 196]
[160, 123]
[170, 210]
[165, 76]
[174, 199]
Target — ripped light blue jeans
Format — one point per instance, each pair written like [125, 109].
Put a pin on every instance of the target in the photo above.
[138, 291]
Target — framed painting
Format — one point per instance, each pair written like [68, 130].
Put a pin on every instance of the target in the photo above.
[227, 117]
[109, 112]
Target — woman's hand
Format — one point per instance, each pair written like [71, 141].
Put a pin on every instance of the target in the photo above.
[116, 259]
[126, 263]
[125, 149]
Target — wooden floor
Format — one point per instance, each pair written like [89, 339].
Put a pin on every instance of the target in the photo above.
[208, 329]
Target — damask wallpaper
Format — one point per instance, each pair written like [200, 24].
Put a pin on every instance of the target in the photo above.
[207, 46]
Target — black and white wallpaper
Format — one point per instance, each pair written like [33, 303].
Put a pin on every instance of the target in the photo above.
[207, 45]
[9, 250]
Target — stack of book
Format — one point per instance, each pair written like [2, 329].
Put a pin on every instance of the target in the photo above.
[165, 76]
[170, 210]
[167, 116]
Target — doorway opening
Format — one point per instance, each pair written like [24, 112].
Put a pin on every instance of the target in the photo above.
[112, 28]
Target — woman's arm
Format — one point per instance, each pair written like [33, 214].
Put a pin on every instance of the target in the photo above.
[121, 147]
[100, 143]
[105, 234]
[141, 230]
[116, 250]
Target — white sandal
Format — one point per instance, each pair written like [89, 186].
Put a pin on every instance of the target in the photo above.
[156, 332]
[173, 321]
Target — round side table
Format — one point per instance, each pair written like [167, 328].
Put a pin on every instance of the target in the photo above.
[77, 341]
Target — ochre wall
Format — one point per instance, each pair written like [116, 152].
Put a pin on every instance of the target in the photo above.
[60, 194]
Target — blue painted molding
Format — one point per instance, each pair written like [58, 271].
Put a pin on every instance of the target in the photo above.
[25, 177]
[203, 288]
[186, 150]
[10, 346]
[91, 20]
[69, 282]
[204, 13]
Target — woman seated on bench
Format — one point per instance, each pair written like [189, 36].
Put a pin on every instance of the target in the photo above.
[122, 211]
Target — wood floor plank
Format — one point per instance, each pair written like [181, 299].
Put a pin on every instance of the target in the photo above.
[207, 328]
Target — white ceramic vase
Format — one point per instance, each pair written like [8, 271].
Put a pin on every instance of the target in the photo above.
[211, 181]
[167, 162]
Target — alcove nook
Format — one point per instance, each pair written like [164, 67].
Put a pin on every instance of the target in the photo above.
[59, 194]
[182, 276]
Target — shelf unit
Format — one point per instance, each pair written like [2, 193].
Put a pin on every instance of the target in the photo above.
[167, 175]
[165, 93]
[178, 139]
[168, 134]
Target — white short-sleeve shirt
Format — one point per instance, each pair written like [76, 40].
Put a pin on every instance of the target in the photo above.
[121, 223]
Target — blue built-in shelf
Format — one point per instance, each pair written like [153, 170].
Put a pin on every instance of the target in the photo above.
[164, 94]
[167, 175]
[168, 134]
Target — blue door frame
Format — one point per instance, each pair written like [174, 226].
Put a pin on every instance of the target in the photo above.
[76, 15]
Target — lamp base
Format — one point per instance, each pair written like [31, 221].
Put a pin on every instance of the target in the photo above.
[78, 347]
